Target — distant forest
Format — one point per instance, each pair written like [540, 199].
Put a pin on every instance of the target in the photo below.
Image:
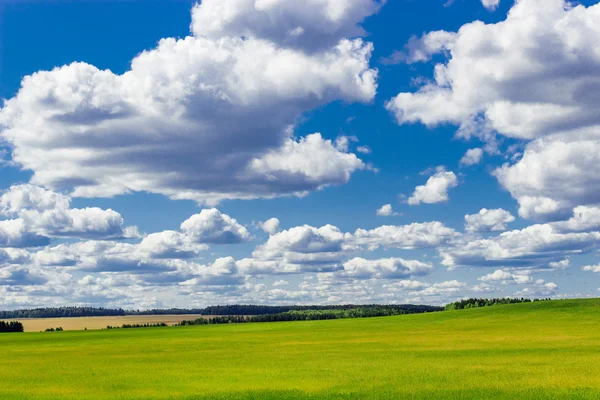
[314, 314]
[12, 326]
[258, 310]
[66, 312]
[475, 303]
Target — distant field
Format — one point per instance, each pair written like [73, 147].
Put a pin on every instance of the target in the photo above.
[80, 323]
[544, 350]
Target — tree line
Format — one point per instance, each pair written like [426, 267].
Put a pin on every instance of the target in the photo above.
[475, 302]
[265, 310]
[11, 326]
[128, 326]
[66, 312]
[311, 314]
[61, 312]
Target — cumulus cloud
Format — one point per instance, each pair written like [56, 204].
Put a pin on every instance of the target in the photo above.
[20, 276]
[443, 288]
[406, 284]
[533, 246]
[555, 174]
[412, 236]
[506, 277]
[223, 271]
[13, 256]
[210, 226]
[155, 253]
[472, 157]
[178, 122]
[304, 249]
[13, 233]
[299, 249]
[388, 268]
[591, 268]
[531, 77]
[491, 5]
[421, 49]
[311, 25]
[386, 210]
[488, 220]
[435, 190]
[540, 289]
[43, 213]
[584, 219]
[270, 226]
[557, 265]
[536, 286]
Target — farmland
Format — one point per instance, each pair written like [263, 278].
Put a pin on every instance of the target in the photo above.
[543, 350]
[81, 323]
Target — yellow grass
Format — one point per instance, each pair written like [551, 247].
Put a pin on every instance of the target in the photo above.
[80, 323]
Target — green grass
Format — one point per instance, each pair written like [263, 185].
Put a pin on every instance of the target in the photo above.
[545, 350]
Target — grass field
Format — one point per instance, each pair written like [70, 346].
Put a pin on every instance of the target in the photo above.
[80, 323]
[545, 350]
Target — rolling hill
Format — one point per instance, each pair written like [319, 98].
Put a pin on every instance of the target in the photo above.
[542, 350]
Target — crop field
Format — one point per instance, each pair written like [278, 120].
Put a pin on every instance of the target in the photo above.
[81, 323]
[543, 350]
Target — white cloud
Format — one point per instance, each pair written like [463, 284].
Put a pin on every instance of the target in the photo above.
[311, 25]
[305, 248]
[210, 226]
[584, 219]
[155, 253]
[387, 268]
[299, 249]
[413, 236]
[539, 289]
[406, 284]
[364, 149]
[533, 246]
[443, 288]
[280, 282]
[555, 174]
[472, 157]
[20, 198]
[531, 77]
[311, 159]
[506, 277]
[206, 117]
[557, 265]
[591, 268]
[223, 271]
[270, 226]
[13, 256]
[421, 49]
[386, 211]
[46, 213]
[435, 190]
[503, 72]
[491, 5]
[540, 208]
[483, 288]
[14, 233]
[169, 244]
[488, 220]
[19, 276]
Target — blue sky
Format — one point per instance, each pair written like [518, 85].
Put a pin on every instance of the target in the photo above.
[123, 138]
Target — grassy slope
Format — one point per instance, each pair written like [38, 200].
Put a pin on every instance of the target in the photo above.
[547, 350]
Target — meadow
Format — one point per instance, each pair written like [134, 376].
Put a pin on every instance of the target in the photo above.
[81, 323]
[543, 350]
